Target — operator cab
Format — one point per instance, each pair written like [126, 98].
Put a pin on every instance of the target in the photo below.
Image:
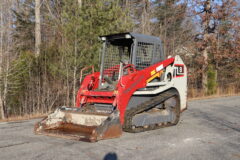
[126, 50]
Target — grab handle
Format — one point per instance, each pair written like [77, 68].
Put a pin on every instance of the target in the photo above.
[85, 68]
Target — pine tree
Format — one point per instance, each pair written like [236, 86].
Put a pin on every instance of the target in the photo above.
[82, 26]
[70, 31]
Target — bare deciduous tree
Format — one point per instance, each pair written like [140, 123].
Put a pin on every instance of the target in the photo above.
[37, 26]
[1, 57]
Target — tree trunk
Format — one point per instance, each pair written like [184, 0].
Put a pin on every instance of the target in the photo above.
[75, 64]
[37, 27]
[2, 109]
[1, 60]
[74, 73]
[80, 3]
[204, 71]
[5, 89]
[68, 87]
[165, 35]
[145, 17]
[206, 24]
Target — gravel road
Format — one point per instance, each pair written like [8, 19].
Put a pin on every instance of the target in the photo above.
[208, 130]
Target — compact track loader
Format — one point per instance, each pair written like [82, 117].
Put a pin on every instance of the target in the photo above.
[137, 89]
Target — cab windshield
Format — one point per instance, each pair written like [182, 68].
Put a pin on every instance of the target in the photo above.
[116, 52]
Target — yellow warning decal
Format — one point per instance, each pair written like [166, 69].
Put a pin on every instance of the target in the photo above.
[115, 92]
[153, 72]
[154, 76]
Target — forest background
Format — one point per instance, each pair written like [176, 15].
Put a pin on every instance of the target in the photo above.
[45, 43]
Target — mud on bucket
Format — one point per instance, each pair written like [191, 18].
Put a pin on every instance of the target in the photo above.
[74, 123]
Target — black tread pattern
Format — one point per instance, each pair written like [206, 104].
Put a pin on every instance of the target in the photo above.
[128, 127]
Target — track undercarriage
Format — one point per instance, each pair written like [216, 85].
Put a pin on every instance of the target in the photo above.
[158, 112]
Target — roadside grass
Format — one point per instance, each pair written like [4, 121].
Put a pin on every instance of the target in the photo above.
[24, 117]
[220, 92]
[212, 96]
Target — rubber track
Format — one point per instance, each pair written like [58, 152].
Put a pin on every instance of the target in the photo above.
[148, 105]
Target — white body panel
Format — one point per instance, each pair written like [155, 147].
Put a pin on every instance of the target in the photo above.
[179, 81]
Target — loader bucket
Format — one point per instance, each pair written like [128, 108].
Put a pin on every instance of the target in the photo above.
[74, 123]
